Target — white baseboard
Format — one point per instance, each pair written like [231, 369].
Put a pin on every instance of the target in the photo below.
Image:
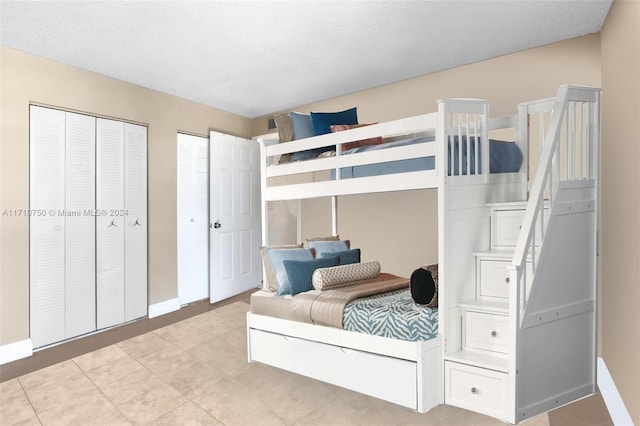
[163, 308]
[15, 351]
[612, 399]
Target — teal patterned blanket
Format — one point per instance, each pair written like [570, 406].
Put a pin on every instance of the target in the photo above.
[393, 314]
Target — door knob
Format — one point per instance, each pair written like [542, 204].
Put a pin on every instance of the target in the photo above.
[217, 225]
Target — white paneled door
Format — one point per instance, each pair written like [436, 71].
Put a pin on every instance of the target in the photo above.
[193, 218]
[234, 216]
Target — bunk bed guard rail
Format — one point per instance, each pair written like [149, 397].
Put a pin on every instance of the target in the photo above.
[459, 129]
[569, 148]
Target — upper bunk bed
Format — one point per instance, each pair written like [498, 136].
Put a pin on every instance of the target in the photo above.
[412, 153]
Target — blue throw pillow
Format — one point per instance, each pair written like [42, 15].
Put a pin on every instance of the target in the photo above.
[322, 121]
[300, 272]
[346, 257]
[303, 128]
[302, 125]
[327, 246]
[309, 153]
[277, 257]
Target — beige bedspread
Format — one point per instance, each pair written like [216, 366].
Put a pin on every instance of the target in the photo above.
[327, 306]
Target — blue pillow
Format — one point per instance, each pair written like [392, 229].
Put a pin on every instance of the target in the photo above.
[300, 272]
[346, 257]
[277, 256]
[302, 125]
[321, 246]
[303, 128]
[309, 153]
[322, 121]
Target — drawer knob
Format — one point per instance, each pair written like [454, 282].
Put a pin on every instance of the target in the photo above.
[494, 333]
[474, 390]
[507, 280]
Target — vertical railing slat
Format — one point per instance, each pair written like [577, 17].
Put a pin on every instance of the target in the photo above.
[468, 136]
[459, 144]
[477, 144]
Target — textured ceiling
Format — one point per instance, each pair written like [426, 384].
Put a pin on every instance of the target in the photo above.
[257, 57]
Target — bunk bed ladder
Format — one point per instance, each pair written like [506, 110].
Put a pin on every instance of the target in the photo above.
[553, 273]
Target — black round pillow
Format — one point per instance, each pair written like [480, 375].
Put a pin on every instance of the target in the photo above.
[424, 287]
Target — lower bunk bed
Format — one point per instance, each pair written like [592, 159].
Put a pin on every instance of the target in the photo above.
[370, 337]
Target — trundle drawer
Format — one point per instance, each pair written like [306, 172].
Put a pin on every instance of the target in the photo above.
[476, 389]
[486, 332]
[391, 379]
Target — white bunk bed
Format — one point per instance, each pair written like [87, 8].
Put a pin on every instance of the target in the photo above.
[549, 261]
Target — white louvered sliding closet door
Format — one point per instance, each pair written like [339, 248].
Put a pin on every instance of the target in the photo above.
[135, 230]
[110, 223]
[193, 218]
[62, 229]
[88, 224]
[47, 233]
[80, 235]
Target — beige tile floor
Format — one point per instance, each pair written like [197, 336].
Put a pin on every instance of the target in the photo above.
[196, 372]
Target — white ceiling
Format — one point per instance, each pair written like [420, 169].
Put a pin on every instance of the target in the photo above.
[254, 58]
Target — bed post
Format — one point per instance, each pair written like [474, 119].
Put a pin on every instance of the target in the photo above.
[442, 161]
[334, 215]
[263, 204]
[522, 139]
[484, 138]
[298, 220]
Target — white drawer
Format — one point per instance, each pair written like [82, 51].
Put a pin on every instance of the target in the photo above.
[493, 275]
[506, 227]
[476, 389]
[391, 379]
[487, 332]
[493, 278]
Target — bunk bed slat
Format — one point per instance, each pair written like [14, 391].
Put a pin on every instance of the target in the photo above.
[385, 183]
[426, 149]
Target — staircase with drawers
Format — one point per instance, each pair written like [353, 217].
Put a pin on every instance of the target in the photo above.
[518, 310]
[476, 376]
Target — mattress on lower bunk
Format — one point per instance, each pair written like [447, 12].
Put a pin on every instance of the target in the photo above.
[392, 314]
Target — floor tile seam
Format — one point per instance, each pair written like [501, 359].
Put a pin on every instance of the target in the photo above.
[263, 402]
[78, 372]
[209, 334]
[88, 370]
[300, 418]
[168, 341]
[113, 404]
[9, 396]
[171, 411]
[30, 403]
[188, 399]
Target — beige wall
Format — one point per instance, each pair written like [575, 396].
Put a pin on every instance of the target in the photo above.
[620, 296]
[25, 78]
[400, 229]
